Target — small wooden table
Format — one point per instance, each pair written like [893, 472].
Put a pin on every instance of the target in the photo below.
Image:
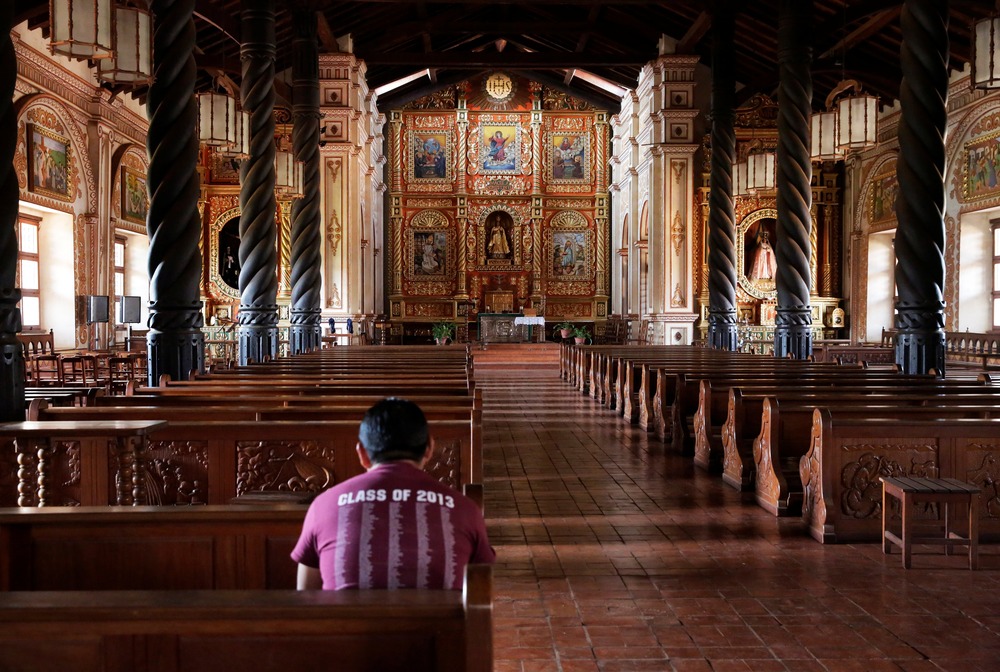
[942, 490]
[94, 436]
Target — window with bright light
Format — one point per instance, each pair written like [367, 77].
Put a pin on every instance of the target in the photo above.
[28, 271]
[995, 303]
[119, 273]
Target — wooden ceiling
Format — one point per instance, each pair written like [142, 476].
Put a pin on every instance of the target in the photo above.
[548, 39]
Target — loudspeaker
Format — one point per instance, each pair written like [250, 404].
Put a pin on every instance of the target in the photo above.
[129, 309]
[97, 309]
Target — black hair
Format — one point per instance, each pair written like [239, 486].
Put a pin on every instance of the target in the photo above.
[394, 429]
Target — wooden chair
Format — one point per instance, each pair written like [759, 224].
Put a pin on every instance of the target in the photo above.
[121, 370]
[80, 370]
[46, 370]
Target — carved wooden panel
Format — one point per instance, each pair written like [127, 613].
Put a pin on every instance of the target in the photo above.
[292, 466]
[445, 464]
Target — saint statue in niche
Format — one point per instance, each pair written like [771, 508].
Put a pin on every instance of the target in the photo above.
[761, 261]
[498, 246]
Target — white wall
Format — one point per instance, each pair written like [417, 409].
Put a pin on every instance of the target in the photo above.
[56, 273]
[975, 279]
[880, 285]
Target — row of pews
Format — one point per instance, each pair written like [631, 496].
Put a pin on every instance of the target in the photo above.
[101, 570]
[808, 439]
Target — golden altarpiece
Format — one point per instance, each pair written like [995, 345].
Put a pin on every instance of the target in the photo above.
[498, 204]
[757, 236]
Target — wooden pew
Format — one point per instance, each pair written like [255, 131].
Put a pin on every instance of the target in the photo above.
[744, 416]
[840, 472]
[714, 399]
[785, 429]
[251, 630]
[212, 462]
[149, 547]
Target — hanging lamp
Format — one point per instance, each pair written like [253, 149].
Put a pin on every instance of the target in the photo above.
[132, 61]
[216, 119]
[823, 129]
[857, 117]
[740, 179]
[287, 174]
[81, 29]
[760, 171]
[986, 52]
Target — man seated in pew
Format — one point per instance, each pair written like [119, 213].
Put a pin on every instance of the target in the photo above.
[394, 526]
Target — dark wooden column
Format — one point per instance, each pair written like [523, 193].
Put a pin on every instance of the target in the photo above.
[11, 353]
[920, 233]
[793, 325]
[258, 318]
[176, 342]
[306, 222]
[722, 214]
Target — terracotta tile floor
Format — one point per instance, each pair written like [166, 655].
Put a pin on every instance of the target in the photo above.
[616, 556]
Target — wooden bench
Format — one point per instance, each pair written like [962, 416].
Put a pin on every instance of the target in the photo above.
[212, 462]
[946, 491]
[786, 425]
[149, 547]
[252, 630]
[846, 457]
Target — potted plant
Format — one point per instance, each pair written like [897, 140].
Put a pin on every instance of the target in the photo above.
[442, 332]
[580, 334]
[564, 329]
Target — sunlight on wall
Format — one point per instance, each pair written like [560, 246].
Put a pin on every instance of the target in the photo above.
[880, 284]
[974, 278]
[136, 273]
[56, 273]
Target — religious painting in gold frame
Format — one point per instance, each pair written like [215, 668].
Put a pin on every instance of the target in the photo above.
[568, 157]
[430, 155]
[135, 200]
[50, 158]
[500, 150]
[429, 254]
[570, 255]
[982, 167]
[882, 201]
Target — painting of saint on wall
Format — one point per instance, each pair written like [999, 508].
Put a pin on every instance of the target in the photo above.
[499, 151]
[982, 167]
[135, 201]
[885, 187]
[569, 157]
[49, 165]
[229, 250]
[222, 169]
[430, 253]
[569, 255]
[760, 264]
[430, 155]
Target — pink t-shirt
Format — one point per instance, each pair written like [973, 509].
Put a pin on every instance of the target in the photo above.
[393, 527]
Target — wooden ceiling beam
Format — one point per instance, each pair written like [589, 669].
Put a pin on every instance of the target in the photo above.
[228, 25]
[327, 38]
[695, 33]
[872, 25]
[516, 60]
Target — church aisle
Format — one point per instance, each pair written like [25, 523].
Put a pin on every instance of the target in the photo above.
[615, 556]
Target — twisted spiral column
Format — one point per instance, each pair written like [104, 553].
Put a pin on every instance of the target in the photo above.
[920, 234]
[793, 324]
[176, 342]
[11, 353]
[258, 318]
[306, 222]
[722, 215]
